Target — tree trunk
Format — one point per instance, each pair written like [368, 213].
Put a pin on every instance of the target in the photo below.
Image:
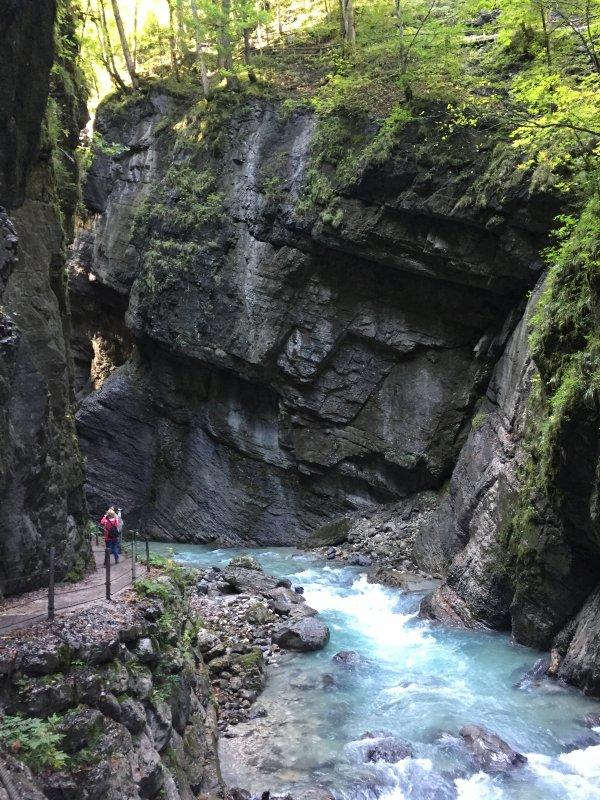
[124, 45]
[200, 50]
[107, 52]
[224, 48]
[135, 34]
[172, 41]
[546, 35]
[246, 46]
[342, 20]
[180, 28]
[348, 21]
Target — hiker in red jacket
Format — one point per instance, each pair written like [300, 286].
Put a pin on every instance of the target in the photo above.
[110, 527]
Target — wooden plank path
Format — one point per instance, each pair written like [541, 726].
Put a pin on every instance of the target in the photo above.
[19, 612]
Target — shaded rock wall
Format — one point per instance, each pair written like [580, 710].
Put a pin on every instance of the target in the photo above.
[290, 368]
[40, 467]
[536, 576]
[483, 493]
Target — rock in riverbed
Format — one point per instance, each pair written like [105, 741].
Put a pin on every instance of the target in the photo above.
[491, 752]
[592, 720]
[382, 746]
[305, 634]
[348, 658]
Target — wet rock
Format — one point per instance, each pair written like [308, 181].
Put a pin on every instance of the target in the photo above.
[304, 635]
[491, 752]
[535, 674]
[238, 794]
[299, 589]
[304, 681]
[313, 794]
[592, 720]
[328, 681]
[583, 742]
[382, 746]
[581, 664]
[284, 583]
[348, 658]
[554, 663]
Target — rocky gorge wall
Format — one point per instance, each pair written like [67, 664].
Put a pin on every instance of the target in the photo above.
[41, 474]
[290, 366]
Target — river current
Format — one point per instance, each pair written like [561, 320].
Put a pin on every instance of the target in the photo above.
[417, 680]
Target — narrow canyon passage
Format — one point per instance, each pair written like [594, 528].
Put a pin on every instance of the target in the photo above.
[412, 679]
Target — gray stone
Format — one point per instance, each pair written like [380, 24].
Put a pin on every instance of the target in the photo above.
[159, 718]
[491, 752]
[385, 747]
[304, 635]
[133, 715]
[145, 652]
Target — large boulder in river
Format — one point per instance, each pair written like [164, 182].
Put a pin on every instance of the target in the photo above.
[305, 634]
[491, 752]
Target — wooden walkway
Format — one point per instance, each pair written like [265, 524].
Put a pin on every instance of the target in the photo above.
[19, 612]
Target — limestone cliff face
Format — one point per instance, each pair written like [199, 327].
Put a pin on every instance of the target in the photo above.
[289, 368]
[40, 467]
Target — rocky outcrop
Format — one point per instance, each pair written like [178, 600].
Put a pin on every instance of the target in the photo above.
[291, 367]
[124, 697]
[41, 472]
[483, 491]
[580, 644]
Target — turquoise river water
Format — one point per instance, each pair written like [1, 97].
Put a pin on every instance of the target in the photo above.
[421, 682]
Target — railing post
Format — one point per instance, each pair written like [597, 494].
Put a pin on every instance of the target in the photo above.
[107, 567]
[147, 554]
[133, 555]
[51, 585]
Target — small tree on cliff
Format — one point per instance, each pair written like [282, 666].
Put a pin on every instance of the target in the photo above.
[124, 44]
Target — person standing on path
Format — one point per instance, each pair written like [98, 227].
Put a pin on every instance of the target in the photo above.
[111, 533]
